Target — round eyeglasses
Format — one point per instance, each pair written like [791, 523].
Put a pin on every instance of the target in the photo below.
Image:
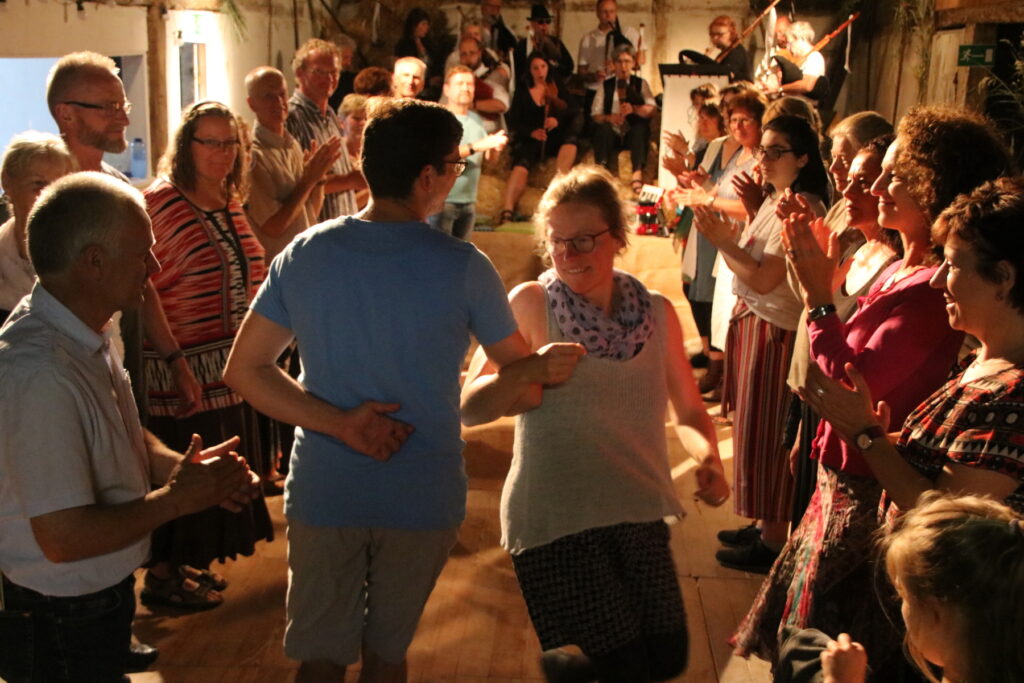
[771, 153]
[581, 244]
[220, 145]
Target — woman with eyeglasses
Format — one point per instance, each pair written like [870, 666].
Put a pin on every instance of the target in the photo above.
[211, 265]
[759, 345]
[726, 159]
[902, 346]
[583, 506]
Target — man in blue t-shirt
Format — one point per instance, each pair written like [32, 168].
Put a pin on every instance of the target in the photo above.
[458, 214]
[383, 308]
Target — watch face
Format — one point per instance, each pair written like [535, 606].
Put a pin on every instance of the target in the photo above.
[864, 441]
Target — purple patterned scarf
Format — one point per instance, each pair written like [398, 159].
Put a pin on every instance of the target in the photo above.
[620, 337]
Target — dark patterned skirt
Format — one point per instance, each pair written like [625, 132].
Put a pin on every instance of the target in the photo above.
[826, 578]
[602, 588]
[214, 533]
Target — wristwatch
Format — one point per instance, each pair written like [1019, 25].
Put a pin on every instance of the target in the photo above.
[819, 312]
[867, 438]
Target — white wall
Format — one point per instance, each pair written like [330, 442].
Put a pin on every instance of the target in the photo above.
[52, 29]
[229, 57]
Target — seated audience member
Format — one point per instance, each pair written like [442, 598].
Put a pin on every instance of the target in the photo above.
[540, 41]
[596, 55]
[495, 35]
[373, 503]
[723, 33]
[543, 122]
[417, 42]
[373, 81]
[317, 64]
[408, 79]
[487, 58]
[286, 190]
[212, 266]
[347, 77]
[622, 113]
[31, 162]
[458, 215]
[491, 100]
[76, 505]
[957, 565]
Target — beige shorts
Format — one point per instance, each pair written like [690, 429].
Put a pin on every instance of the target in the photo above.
[355, 586]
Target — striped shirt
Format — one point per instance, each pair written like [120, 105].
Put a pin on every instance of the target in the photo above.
[211, 266]
[307, 124]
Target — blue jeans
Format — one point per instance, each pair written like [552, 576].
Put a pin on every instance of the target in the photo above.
[76, 639]
[455, 219]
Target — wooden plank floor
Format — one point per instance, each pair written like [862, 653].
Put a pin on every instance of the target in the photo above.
[475, 628]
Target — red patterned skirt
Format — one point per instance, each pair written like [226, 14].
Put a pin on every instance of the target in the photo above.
[826, 578]
[757, 356]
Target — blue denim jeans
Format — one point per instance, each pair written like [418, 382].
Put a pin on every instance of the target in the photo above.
[66, 640]
[455, 219]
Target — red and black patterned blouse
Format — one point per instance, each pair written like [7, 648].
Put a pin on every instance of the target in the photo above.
[977, 424]
[211, 265]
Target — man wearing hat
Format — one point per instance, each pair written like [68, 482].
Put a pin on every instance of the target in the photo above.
[541, 40]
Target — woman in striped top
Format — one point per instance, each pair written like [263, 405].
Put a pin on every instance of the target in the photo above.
[211, 266]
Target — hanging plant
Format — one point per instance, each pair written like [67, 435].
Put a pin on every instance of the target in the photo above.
[915, 20]
[234, 13]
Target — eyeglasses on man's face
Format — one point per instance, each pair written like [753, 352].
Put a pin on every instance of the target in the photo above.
[581, 244]
[108, 108]
[460, 166]
[771, 153]
[219, 145]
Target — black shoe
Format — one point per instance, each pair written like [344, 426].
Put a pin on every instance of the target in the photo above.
[561, 667]
[756, 558]
[140, 657]
[735, 538]
[699, 361]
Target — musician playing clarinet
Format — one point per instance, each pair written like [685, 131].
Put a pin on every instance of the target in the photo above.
[622, 113]
[595, 57]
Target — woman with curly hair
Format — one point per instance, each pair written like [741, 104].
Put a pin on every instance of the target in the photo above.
[901, 345]
[211, 266]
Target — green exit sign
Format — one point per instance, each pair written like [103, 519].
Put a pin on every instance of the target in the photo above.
[976, 55]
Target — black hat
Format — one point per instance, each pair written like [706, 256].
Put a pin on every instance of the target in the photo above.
[539, 12]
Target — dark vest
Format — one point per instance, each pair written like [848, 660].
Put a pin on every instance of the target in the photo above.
[634, 92]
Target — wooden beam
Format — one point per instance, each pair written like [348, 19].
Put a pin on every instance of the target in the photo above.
[961, 12]
[156, 68]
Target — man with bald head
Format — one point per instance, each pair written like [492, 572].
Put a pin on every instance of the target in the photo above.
[287, 190]
[76, 505]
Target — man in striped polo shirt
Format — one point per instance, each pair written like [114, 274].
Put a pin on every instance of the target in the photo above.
[311, 121]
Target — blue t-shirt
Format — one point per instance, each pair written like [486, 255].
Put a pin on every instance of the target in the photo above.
[464, 189]
[383, 311]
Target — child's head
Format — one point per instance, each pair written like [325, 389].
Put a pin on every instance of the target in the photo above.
[958, 565]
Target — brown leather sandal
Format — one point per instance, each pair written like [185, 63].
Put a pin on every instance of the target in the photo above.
[179, 591]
